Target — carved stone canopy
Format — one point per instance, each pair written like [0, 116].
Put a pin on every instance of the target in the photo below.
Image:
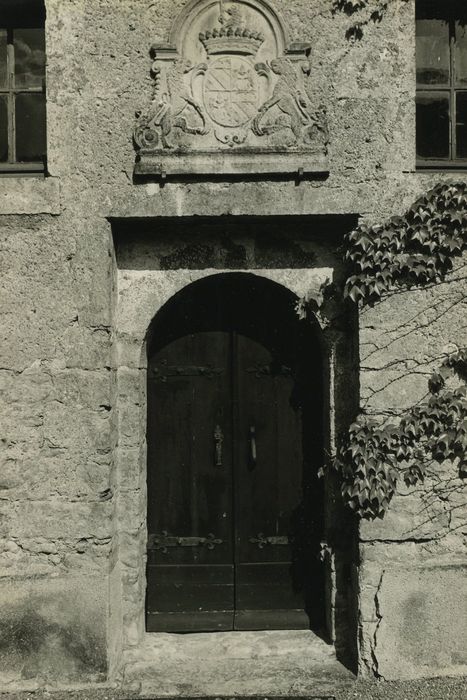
[231, 96]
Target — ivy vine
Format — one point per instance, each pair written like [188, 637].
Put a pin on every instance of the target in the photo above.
[409, 251]
[351, 7]
[373, 457]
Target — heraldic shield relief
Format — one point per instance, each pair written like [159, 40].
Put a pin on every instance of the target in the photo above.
[227, 86]
[231, 91]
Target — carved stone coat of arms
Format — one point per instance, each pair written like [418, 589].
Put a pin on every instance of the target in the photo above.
[228, 88]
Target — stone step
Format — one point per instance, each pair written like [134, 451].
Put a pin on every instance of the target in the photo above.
[234, 663]
[232, 645]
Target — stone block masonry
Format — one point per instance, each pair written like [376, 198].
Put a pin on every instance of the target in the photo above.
[91, 252]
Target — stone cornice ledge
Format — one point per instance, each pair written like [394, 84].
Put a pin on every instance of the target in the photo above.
[232, 163]
[29, 195]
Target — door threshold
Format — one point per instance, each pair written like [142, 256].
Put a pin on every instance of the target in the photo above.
[264, 663]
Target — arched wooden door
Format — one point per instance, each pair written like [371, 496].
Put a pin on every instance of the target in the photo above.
[232, 527]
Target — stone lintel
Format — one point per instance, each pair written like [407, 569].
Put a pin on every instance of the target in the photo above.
[220, 163]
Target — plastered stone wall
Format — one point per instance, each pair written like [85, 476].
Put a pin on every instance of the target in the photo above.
[65, 508]
[413, 561]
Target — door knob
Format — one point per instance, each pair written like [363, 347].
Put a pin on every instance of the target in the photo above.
[218, 442]
[253, 455]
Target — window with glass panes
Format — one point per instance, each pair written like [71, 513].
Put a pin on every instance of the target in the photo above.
[442, 83]
[22, 86]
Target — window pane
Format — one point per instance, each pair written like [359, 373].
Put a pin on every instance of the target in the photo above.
[461, 125]
[29, 57]
[30, 128]
[3, 55]
[25, 13]
[460, 53]
[432, 52]
[432, 125]
[3, 129]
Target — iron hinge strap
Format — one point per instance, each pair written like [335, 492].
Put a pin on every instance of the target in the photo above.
[165, 541]
[263, 541]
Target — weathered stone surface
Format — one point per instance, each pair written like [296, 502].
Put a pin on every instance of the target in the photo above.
[414, 513]
[404, 339]
[421, 630]
[53, 629]
[132, 467]
[20, 195]
[64, 518]
[27, 556]
[254, 662]
[392, 576]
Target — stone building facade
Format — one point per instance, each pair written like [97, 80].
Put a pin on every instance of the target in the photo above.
[93, 250]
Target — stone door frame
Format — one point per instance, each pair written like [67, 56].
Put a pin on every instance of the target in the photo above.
[141, 294]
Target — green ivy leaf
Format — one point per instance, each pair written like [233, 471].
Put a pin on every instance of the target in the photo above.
[435, 224]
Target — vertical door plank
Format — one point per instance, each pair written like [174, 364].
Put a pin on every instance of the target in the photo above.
[268, 490]
[190, 585]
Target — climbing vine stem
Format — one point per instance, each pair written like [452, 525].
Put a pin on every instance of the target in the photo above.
[375, 11]
[373, 457]
[409, 251]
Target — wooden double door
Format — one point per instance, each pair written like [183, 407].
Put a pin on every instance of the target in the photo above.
[228, 529]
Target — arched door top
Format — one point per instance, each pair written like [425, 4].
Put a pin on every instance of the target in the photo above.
[251, 303]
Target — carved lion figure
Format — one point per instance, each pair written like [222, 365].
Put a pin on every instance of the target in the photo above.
[289, 98]
[169, 105]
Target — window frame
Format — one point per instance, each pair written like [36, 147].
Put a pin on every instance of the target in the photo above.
[11, 23]
[451, 12]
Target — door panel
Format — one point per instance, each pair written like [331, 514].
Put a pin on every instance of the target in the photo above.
[266, 586]
[268, 488]
[270, 620]
[190, 598]
[225, 487]
[190, 556]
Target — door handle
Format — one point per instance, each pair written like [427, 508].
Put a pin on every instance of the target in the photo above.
[253, 452]
[218, 442]
[261, 541]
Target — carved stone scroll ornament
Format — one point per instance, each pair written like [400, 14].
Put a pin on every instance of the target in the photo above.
[228, 89]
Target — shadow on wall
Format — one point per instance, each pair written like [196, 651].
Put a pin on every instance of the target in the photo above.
[42, 637]
[229, 242]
